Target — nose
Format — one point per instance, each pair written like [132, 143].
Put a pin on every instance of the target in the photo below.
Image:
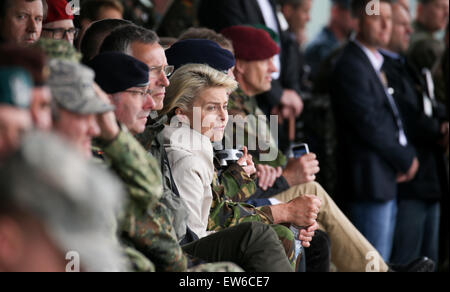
[272, 67]
[94, 128]
[67, 37]
[32, 26]
[149, 102]
[163, 80]
[223, 114]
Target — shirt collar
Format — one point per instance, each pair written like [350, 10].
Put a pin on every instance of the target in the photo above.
[376, 59]
[391, 54]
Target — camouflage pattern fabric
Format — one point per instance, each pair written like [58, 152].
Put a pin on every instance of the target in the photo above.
[222, 267]
[72, 88]
[318, 127]
[225, 212]
[146, 225]
[244, 109]
[140, 263]
[58, 49]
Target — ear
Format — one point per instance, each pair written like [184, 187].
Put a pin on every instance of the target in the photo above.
[239, 67]
[287, 11]
[12, 243]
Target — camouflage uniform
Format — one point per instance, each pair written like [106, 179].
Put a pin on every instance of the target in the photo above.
[146, 225]
[239, 106]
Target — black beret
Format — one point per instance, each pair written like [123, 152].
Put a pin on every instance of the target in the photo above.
[116, 72]
[199, 51]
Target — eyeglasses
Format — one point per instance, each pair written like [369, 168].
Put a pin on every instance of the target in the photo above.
[141, 94]
[60, 33]
[155, 72]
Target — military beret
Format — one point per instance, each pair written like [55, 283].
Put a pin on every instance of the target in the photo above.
[273, 35]
[251, 44]
[31, 59]
[116, 72]
[57, 11]
[199, 51]
[72, 88]
[15, 87]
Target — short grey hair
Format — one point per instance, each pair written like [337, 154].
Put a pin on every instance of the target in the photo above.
[120, 39]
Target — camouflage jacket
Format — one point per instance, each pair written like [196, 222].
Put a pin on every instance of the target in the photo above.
[249, 127]
[146, 225]
[232, 188]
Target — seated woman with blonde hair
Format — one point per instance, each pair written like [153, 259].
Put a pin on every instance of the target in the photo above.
[196, 105]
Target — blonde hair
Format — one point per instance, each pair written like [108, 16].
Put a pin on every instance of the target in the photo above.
[188, 81]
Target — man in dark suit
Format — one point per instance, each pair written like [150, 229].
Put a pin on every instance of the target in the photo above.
[284, 95]
[417, 228]
[373, 151]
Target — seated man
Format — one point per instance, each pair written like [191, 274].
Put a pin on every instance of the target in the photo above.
[58, 24]
[21, 20]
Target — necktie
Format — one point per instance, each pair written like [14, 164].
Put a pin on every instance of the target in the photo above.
[389, 92]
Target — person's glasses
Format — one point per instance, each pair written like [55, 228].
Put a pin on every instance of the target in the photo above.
[60, 33]
[155, 72]
[142, 94]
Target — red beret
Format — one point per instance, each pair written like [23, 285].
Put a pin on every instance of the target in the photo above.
[251, 44]
[57, 11]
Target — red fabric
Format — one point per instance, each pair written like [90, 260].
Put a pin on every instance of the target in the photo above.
[251, 44]
[57, 11]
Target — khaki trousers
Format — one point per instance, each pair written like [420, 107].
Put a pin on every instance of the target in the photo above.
[350, 250]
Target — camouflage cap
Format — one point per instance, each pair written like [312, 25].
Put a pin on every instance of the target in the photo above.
[72, 88]
[58, 49]
[76, 201]
[15, 87]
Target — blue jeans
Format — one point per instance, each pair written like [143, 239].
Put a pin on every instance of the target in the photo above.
[417, 231]
[376, 221]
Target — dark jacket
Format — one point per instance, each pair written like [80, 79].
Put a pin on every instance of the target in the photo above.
[369, 153]
[422, 131]
[219, 14]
